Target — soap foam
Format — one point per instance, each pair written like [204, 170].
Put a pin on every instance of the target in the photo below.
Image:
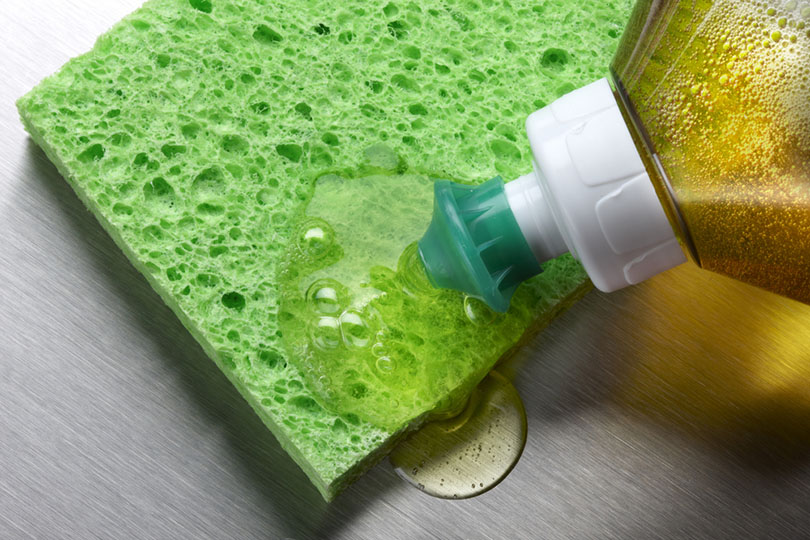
[359, 317]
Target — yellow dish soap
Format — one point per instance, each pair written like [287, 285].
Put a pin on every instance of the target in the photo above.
[698, 145]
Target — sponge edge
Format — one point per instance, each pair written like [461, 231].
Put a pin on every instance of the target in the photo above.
[329, 476]
[193, 152]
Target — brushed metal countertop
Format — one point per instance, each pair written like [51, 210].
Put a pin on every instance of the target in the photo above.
[677, 409]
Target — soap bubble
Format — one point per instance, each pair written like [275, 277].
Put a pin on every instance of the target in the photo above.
[412, 273]
[325, 333]
[356, 332]
[379, 349]
[385, 365]
[325, 296]
[478, 312]
[315, 238]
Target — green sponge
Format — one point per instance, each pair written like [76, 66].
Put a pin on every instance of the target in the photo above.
[194, 131]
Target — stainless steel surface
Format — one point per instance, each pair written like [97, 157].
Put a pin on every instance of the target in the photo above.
[678, 409]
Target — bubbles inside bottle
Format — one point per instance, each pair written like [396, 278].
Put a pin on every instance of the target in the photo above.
[722, 89]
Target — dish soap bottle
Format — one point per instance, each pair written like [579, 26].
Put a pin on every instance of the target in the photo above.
[697, 146]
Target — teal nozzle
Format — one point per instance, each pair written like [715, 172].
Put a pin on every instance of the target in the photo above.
[474, 243]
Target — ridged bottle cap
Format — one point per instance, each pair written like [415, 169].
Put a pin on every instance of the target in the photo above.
[474, 243]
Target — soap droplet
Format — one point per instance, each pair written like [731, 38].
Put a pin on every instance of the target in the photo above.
[450, 453]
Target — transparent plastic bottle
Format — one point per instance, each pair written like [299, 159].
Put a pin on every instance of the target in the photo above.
[698, 146]
[718, 94]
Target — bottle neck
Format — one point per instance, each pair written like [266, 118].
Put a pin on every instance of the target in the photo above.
[534, 217]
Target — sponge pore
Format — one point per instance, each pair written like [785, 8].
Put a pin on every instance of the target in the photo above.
[195, 128]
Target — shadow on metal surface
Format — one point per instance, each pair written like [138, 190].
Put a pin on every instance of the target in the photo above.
[725, 362]
[722, 363]
[275, 481]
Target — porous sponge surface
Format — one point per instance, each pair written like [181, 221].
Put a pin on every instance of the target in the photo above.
[194, 128]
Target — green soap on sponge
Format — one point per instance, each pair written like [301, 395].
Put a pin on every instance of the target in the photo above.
[360, 319]
[195, 129]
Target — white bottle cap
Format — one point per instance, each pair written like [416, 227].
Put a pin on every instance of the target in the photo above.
[590, 192]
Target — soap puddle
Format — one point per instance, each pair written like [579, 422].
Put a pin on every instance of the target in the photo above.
[471, 453]
[358, 317]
